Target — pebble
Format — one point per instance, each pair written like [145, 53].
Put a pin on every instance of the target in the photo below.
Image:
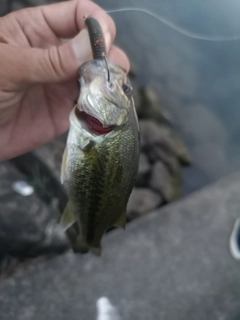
[22, 188]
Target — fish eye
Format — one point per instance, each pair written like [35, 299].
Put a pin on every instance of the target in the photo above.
[127, 89]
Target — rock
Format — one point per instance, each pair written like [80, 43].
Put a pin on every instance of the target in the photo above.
[150, 106]
[143, 170]
[170, 161]
[51, 154]
[142, 201]
[42, 176]
[162, 182]
[27, 226]
[157, 139]
[177, 257]
[10, 265]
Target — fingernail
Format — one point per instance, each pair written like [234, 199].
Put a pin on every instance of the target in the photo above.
[82, 47]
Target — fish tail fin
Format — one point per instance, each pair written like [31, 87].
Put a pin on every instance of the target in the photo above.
[80, 246]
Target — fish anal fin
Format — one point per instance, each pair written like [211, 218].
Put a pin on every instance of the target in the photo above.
[79, 245]
[64, 165]
[68, 217]
[121, 222]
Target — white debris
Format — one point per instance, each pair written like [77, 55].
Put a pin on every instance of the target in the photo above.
[105, 310]
[22, 188]
[233, 242]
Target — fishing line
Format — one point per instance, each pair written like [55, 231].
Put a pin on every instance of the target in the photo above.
[174, 26]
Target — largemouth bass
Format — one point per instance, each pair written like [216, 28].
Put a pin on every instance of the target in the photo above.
[100, 161]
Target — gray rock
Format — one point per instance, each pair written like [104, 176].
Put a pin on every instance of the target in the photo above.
[51, 154]
[164, 183]
[142, 201]
[157, 140]
[170, 161]
[150, 106]
[177, 257]
[143, 170]
[27, 226]
[10, 265]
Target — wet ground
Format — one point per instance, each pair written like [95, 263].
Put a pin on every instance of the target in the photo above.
[172, 264]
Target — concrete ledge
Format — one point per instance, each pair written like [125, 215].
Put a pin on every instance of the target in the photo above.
[172, 264]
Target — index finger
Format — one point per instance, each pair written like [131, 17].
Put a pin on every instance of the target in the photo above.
[66, 19]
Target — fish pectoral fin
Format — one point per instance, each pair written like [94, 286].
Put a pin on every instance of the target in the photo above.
[64, 164]
[121, 222]
[68, 217]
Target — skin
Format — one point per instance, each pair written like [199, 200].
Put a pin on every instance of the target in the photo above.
[39, 70]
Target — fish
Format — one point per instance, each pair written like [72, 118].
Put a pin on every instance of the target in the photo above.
[101, 158]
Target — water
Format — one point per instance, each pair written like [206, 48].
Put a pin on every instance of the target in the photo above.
[197, 81]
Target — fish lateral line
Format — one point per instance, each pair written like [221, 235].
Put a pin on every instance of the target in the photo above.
[171, 24]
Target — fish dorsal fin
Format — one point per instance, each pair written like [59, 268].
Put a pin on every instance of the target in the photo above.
[121, 222]
[68, 217]
[64, 165]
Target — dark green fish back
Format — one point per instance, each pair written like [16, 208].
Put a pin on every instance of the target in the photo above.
[100, 182]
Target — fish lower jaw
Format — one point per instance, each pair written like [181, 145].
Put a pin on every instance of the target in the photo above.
[91, 124]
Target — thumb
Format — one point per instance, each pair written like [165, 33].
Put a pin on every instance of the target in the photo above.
[26, 66]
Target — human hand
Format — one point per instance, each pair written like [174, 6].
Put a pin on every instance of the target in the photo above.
[39, 71]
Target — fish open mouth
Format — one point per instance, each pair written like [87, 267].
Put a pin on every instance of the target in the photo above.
[91, 124]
